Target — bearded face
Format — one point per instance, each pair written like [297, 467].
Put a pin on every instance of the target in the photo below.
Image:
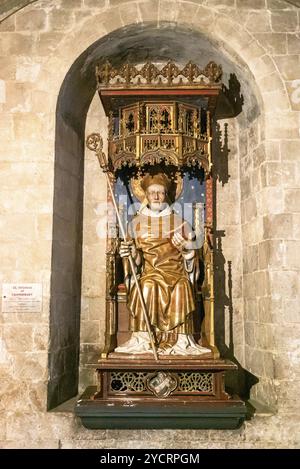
[156, 196]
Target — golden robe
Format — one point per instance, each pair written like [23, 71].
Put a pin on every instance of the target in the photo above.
[165, 284]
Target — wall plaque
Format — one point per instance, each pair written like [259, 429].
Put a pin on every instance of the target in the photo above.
[21, 297]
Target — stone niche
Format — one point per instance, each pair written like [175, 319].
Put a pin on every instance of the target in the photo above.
[77, 322]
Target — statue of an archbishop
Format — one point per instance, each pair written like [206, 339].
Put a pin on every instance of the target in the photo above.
[167, 266]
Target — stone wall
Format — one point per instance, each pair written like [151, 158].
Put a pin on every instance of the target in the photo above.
[46, 49]
[94, 246]
[229, 305]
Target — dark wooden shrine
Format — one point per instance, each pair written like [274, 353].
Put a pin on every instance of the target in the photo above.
[159, 116]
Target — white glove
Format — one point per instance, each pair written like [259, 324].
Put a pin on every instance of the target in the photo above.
[179, 242]
[183, 245]
[127, 248]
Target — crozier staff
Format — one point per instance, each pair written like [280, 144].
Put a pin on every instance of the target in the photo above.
[95, 143]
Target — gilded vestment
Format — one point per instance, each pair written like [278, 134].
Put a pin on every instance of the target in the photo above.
[165, 283]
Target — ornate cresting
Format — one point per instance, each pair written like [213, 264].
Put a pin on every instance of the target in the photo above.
[149, 132]
[151, 74]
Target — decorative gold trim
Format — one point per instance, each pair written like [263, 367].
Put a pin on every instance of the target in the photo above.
[150, 74]
[208, 330]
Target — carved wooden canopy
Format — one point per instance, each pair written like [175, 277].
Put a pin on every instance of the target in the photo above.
[159, 113]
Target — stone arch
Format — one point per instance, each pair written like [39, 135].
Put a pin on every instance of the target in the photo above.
[211, 20]
[70, 123]
[10, 7]
[219, 27]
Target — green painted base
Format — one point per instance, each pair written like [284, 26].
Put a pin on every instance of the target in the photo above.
[111, 413]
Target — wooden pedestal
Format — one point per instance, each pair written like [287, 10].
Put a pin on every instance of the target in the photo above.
[174, 392]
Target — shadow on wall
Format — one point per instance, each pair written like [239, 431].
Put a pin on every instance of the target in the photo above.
[230, 105]
[239, 382]
[231, 100]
